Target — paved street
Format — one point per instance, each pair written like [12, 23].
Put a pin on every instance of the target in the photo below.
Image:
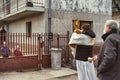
[70, 77]
[45, 74]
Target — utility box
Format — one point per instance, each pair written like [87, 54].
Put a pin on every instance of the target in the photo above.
[56, 58]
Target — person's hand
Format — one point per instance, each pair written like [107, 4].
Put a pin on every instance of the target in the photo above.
[90, 59]
[72, 45]
[95, 58]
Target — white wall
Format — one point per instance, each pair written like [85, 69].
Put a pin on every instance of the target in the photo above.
[64, 11]
[62, 21]
[38, 24]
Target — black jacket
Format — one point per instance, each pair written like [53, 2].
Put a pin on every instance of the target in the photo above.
[89, 33]
[84, 51]
[108, 66]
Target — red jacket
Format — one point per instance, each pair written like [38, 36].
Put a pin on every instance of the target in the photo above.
[17, 53]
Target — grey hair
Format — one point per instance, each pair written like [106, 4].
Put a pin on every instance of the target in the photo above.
[113, 24]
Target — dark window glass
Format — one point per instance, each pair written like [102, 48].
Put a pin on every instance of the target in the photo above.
[84, 22]
[29, 28]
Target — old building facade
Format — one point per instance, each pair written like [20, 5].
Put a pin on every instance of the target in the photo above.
[31, 16]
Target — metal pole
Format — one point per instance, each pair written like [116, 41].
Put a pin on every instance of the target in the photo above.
[49, 24]
[49, 16]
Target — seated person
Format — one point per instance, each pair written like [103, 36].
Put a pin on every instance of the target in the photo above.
[17, 51]
[5, 51]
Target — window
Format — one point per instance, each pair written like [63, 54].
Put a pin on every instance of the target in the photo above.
[82, 23]
[86, 22]
[29, 3]
[29, 28]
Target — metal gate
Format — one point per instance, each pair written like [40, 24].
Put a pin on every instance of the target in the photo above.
[48, 41]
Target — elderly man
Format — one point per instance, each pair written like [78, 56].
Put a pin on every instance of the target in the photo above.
[108, 66]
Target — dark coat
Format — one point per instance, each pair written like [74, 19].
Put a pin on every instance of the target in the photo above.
[85, 51]
[108, 66]
[17, 53]
[5, 51]
[89, 33]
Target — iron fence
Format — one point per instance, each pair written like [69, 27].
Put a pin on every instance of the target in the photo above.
[36, 43]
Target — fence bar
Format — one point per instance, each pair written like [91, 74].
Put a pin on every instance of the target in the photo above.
[21, 41]
[26, 44]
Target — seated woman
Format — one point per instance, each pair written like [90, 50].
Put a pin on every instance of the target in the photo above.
[17, 52]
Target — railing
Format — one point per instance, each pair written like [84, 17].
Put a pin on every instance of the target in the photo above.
[36, 43]
[28, 45]
[16, 5]
[34, 48]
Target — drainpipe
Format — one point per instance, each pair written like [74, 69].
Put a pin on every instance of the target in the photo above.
[50, 34]
[49, 16]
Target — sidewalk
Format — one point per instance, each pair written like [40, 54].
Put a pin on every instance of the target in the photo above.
[45, 74]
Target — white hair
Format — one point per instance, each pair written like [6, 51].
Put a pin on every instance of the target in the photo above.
[113, 24]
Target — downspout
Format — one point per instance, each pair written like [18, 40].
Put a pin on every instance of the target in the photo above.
[49, 16]
[50, 34]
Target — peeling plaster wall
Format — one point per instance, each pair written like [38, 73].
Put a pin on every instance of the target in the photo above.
[62, 22]
[64, 11]
[89, 6]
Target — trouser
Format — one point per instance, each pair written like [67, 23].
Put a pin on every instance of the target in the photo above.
[86, 70]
